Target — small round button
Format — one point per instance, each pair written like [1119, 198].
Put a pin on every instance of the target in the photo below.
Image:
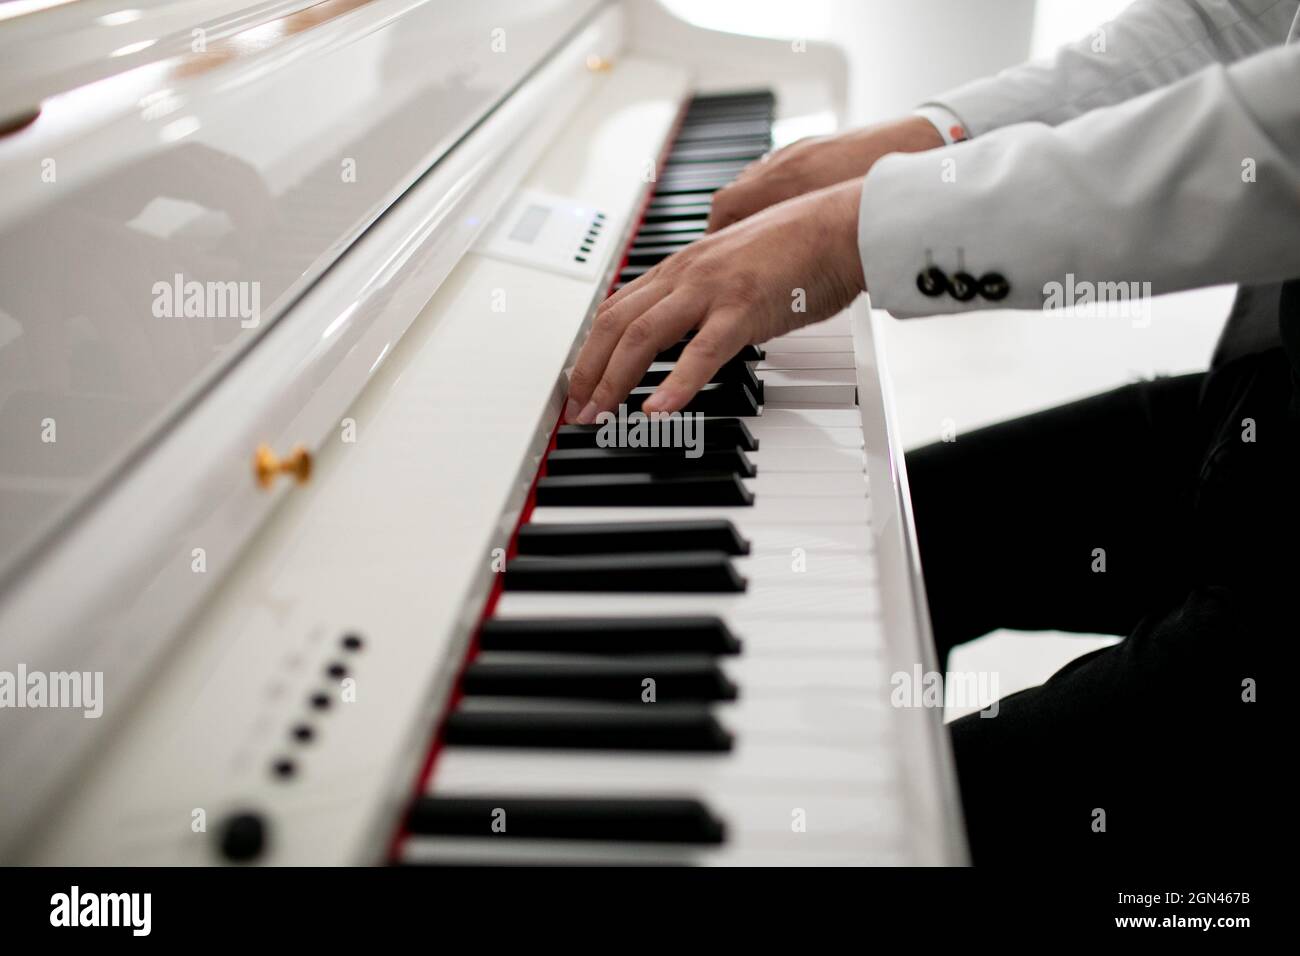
[932, 282]
[243, 836]
[962, 285]
[994, 286]
[352, 642]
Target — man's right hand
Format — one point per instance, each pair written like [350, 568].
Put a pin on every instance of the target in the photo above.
[815, 163]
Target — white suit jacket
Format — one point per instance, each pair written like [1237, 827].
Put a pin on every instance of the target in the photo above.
[1164, 148]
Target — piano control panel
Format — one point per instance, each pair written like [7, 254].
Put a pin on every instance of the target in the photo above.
[549, 232]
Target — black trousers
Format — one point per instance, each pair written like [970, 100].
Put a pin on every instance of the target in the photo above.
[1166, 512]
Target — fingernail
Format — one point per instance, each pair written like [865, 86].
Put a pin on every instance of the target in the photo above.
[588, 414]
[571, 410]
[666, 398]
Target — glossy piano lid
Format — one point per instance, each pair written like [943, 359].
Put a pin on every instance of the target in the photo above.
[167, 204]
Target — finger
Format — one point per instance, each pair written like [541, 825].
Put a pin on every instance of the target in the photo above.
[635, 286]
[606, 330]
[753, 168]
[644, 338]
[720, 337]
[721, 212]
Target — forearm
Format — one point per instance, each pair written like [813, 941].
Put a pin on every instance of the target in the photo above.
[1192, 185]
[1152, 44]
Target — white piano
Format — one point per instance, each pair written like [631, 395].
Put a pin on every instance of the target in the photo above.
[288, 291]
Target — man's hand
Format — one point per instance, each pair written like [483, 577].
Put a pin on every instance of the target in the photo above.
[739, 286]
[815, 163]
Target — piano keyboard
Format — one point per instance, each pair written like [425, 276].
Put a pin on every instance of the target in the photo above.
[685, 663]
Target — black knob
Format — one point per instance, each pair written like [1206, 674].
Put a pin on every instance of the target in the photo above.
[243, 837]
[932, 282]
[962, 285]
[994, 286]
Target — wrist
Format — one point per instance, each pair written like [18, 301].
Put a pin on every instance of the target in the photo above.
[916, 134]
[845, 200]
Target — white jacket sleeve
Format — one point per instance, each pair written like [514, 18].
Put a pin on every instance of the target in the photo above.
[1151, 44]
[1191, 185]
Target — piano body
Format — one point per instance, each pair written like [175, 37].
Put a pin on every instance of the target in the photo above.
[287, 298]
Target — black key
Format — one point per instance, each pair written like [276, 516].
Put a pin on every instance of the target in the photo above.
[716, 432]
[731, 106]
[473, 862]
[759, 94]
[677, 680]
[716, 398]
[701, 131]
[680, 187]
[707, 114]
[687, 230]
[736, 370]
[676, 182]
[740, 99]
[685, 199]
[655, 461]
[637, 257]
[714, 117]
[654, 251]
[609, 635]
[734, 150]
[643, 727]
[717, 168]
[714, 125]
[665, 572]
[629, 819]
[703, 173]
[750, 353]
[642, 491]
[675, 213]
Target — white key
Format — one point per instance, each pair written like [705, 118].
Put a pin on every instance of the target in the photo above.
[772, 510]
[886, 850]
[779, 603]
[813, 484]
[811, 385]
[784, 437]
[814, 418]
[787, 344]
[837, 325]
[805, 360]
[788, 459]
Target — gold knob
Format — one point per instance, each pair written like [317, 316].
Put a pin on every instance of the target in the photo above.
[266, 465]
[599, 64]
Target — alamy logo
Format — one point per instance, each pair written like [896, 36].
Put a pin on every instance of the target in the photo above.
[53, 689]
[658, 430]
[180, 299]
[955, 689]
[1122, 300]
[134, 910]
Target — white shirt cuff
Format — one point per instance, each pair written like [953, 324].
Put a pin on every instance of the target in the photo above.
[945, 121]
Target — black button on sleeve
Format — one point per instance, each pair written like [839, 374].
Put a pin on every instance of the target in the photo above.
[994, 286]
[962, 285]
[932, 282]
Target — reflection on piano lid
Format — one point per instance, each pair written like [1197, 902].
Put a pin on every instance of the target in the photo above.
[472, 636]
